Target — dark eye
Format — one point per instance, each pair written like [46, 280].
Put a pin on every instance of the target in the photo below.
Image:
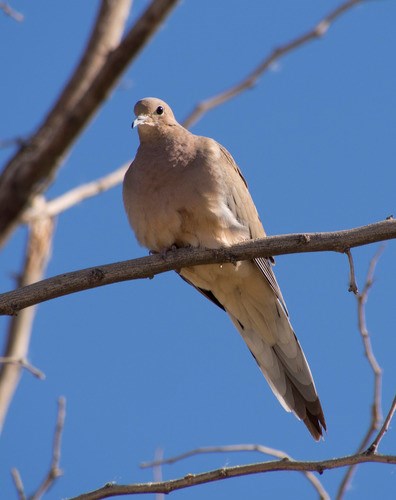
[159, 110]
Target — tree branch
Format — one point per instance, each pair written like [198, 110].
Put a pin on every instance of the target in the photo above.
[376, 412]
[148, 267]
[249, 81]
[31, 169]
[24, 363]
[374, 445]
[323, 495]
[76, 195]
[38, 250]
[189, 480]
[16, 477]
[10, 12]
[54, 471]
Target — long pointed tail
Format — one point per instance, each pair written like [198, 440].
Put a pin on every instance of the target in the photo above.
[287, 372]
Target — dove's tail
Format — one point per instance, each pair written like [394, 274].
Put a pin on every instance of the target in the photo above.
[255, 304]
[285, 367]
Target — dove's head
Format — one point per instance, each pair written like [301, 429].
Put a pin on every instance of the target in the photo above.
[153, 116]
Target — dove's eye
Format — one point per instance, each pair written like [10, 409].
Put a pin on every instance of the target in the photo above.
[159, 110]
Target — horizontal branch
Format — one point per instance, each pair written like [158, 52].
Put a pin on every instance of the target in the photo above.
[148, 267]
[323, 495]
[189, 480]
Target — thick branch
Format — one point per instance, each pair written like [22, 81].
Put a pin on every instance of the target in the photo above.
[189, 480]
[29, 171]
[148, 267]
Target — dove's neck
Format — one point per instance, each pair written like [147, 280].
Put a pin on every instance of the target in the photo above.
[162, 134]
[174, 143]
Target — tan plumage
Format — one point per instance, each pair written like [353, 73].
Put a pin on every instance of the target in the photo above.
[186, 190]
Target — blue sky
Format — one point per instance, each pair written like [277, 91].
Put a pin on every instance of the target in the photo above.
[150, 364]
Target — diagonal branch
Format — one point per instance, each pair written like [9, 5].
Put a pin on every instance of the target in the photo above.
[190, 480]
[147, 267]
[76, 195]
[384, 429]
[31, 169]
[10, 12]
[249, 81]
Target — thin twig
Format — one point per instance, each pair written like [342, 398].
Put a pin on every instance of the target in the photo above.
[67, 200]
[189, 480]
[10, 12]
[241, 448]
[352, 278]
[24, 363]
[385, 426]
[147, 267]
[157, 470]
[18, 483]
[376, 411]
[55, 471]
[249, 81]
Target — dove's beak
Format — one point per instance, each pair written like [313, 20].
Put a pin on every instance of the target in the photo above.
[139, 120]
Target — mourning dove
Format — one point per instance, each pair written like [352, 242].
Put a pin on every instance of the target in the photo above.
[183, 190]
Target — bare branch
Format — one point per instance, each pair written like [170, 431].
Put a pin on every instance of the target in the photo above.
[148, 267]
[18, 483]
[24, 363]
[238, 448]
[374, 445]
[38, 250]
[190, 480]
[74, 196]
[54, 471]
[376, 412]
[352, 278]
[10, 12]
[103, 62]
[248, 82]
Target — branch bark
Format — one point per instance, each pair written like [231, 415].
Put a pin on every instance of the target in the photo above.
[189, 480]
[148, 267]
[34, 165]
[323, 495]
[38, 250]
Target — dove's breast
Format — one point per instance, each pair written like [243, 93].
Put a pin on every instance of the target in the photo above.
[179, 201]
